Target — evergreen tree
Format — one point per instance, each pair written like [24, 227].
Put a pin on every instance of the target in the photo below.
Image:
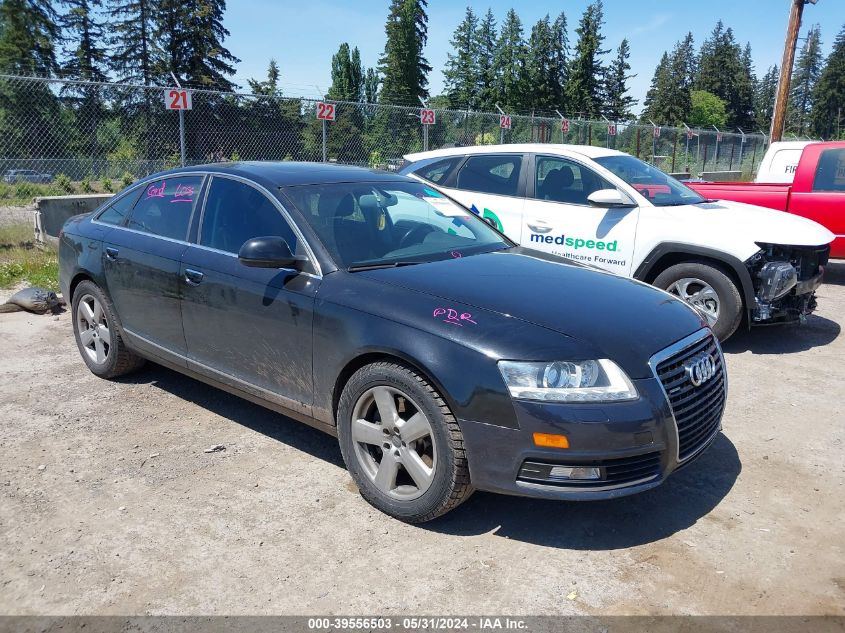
[586, 74]
[560, 60]
[207, 62]
[461, 75]
[486, 38]
[403, 66]
[654, 105]
[764, 99]
[806, 73]
[540, 71]
[347, 75]
[669, 99]
[270, 86]
[509, 64]
[132, 27]
[724, 70]
[618, 103]
[28, 35]
[86, 57]
[170, 37]
[372, 81]
[829, 93]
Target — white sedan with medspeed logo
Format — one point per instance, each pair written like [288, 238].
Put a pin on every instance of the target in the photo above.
[611, 210]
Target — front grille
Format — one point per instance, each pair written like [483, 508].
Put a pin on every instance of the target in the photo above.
[697, 410]
[614, 472]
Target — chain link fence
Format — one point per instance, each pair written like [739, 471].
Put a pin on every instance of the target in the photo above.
[100, 132]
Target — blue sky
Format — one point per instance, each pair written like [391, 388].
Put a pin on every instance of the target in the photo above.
[303, 36]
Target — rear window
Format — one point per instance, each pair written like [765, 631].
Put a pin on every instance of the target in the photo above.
[117, 211]
[498, 175]
[165, 207]
[830, 173]
[439, 171]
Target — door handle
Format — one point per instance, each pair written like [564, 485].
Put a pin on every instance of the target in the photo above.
[111, 253]
[193, 277]
[539, 226]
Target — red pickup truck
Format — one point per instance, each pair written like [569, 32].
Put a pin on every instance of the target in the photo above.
[817, 191]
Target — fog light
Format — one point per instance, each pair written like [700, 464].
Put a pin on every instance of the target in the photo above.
[550, 440]
[574, 472]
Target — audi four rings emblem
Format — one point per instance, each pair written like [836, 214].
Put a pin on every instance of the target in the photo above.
[700, 369]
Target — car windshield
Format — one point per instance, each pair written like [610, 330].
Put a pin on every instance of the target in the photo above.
[394, 223]
[661, 189]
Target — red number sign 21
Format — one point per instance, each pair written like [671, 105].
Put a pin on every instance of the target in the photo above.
[175, 99]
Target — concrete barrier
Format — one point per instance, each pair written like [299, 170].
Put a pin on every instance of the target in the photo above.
[51, 212]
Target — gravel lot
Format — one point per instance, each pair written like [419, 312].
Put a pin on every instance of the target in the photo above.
[109, 504]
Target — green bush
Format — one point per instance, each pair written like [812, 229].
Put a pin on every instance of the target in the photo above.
[107, 185]
[85, 185]
[64, 183]
[25, 190]
[235, 157]
[127, 179]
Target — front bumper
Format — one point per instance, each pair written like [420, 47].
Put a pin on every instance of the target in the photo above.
[635, 445]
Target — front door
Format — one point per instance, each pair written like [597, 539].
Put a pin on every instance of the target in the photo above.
[248, 327]
[558, 218]
[141, 259]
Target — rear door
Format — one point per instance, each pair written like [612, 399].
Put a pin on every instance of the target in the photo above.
[248, 327]
[492, 186]
[141, 260]
[557, 217]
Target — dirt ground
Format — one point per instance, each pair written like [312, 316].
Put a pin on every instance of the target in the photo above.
[109, 504]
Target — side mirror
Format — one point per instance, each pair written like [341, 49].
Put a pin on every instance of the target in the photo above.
[609, 199]
[268, 252]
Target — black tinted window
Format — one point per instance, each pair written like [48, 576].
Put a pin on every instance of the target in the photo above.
[117, 211]
[236, 212]
[561, 180]
[830, 174]
[165, 207]
[438, 171]
[498, 175]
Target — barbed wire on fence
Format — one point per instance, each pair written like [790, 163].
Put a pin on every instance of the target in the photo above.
[117, 130]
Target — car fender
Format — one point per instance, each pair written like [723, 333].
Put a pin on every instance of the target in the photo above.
[647, 270]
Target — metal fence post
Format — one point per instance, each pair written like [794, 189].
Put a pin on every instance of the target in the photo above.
[181, 125]
[324, 140]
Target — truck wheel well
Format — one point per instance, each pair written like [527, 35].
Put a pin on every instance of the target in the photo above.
[670, 259]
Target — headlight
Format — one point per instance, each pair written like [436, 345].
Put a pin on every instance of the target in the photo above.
[563, 381]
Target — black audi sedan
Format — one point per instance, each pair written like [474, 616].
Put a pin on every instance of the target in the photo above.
[444, 357]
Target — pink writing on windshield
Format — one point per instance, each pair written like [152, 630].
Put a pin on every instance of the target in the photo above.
[453, 317]
[183, 193]
[156, 192]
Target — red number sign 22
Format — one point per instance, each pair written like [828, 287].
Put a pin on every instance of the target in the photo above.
[325, 111]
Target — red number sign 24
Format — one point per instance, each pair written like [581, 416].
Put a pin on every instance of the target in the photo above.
[325, 111]
[505, 122]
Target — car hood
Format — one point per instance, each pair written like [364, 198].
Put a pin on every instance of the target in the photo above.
[624, 320]
[759, 223]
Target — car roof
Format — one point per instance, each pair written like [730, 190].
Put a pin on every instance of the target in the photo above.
[587, 151]
[289, 174]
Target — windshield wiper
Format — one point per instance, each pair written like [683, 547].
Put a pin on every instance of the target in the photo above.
[359, 267]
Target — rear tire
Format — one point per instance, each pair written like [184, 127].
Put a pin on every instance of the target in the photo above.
[97, 334]
[401, 443]
[709, 289]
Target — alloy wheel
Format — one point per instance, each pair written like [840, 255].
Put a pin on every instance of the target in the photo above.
[394, 442]
[93, 329]
[698, 294]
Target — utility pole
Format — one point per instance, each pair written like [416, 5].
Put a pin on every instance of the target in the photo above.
[782, 96]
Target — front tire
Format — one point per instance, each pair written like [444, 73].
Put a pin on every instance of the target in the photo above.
[710, 290]
[401, 443]
[97, 335]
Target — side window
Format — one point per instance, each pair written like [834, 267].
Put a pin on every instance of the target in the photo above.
[498, 175]
[438, 171]
[235, 212]
[830, 173]
[562, 180]
[117, 211]
[165, 206]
